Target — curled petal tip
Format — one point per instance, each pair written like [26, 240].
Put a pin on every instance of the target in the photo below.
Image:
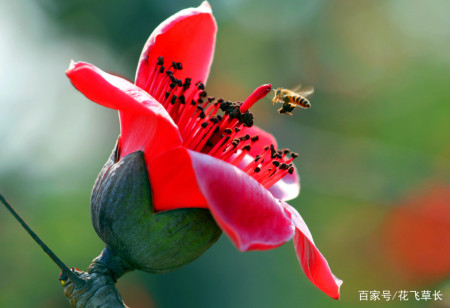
[72, 65]
[311, 260]
[75, 66]
[338, 284]
[205, 5]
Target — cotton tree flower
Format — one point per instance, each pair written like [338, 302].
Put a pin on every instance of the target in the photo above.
[199, 152]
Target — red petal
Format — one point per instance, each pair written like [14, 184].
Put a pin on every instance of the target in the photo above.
[173, 182]
[313, 263]
[288, 187]
[188, 37]
[245, 210]
[145, 124]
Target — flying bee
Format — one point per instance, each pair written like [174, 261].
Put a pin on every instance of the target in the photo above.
[292, 98]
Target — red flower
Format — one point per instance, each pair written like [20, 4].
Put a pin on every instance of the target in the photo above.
[196, 158]
[416, 235]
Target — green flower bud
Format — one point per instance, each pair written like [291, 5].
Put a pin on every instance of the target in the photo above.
[123, 217]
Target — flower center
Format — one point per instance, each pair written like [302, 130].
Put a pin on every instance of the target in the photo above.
[221, 136]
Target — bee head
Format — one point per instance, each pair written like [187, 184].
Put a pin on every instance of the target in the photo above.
[277, 91]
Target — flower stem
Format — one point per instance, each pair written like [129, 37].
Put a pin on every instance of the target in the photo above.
[94, 288]
[74, 278]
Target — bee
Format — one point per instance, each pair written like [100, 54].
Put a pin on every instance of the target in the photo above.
[292, 98]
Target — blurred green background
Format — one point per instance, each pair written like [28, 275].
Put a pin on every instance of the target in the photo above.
[375, 150]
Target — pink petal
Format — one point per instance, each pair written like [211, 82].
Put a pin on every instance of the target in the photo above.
[188, 37]
[265, 139]
[245, 210]
[313, 263]
[173, 182]
[145, 124]
[288, 187]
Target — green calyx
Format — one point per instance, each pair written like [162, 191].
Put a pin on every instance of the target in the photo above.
[123, 217]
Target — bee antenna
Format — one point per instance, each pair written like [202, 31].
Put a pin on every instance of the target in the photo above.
[78, 282]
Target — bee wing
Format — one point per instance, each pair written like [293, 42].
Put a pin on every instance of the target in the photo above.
[297, 88]
[307, 91]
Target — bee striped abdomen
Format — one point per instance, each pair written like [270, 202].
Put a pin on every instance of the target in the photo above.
[304, 102]
[299, 101]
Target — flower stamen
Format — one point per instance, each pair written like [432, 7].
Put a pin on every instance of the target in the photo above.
[221, 136]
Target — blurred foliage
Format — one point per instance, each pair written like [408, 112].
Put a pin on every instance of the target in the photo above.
[376, 135]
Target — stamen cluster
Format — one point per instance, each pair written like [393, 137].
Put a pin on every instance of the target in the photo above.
[206, 131]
